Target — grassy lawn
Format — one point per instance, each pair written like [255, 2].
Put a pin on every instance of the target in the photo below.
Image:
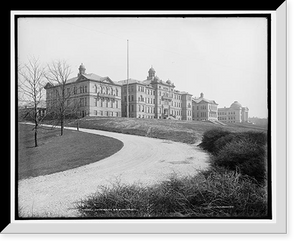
[57, 153]
[180, 131]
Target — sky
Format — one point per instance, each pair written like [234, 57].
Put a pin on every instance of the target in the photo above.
[224, 58]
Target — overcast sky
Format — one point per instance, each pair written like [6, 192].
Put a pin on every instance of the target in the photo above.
[225, 58]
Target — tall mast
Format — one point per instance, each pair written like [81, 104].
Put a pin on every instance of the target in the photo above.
[127, 79]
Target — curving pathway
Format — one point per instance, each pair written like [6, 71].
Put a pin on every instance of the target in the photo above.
[142, 160]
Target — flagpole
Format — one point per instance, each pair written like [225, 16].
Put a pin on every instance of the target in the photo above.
[127, 79]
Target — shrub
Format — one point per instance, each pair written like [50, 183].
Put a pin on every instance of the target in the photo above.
[214, 193]
[245, 155]
[215, 139]
[210, 137]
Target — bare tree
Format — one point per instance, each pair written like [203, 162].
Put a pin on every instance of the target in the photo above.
[31, 83]
[57, 75]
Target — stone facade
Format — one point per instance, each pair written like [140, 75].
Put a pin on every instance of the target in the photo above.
[236, 113]
[154, 98]
[88, 95]
[204, 109]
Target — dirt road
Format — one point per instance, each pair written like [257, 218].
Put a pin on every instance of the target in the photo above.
[142, 160]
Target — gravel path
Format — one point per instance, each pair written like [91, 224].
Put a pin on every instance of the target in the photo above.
[142, 160]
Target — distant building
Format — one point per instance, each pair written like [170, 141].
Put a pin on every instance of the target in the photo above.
[204, 109]
[27, 110]
[154, 98]
[236, 113]
[93, 95]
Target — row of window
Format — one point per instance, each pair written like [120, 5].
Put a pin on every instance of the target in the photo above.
[152, 92]
[106, 103]
[107, 113]
[226, 113]
[204, 107]
[152, 101]
[226, 118]
[106, 90]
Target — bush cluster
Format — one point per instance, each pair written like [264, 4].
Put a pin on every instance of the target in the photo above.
[241, 151]
[214, 193]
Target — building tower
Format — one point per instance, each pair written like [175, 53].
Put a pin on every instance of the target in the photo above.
[81, 69]
[151, 73]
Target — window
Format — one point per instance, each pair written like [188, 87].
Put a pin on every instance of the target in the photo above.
[85, 89]
[85, 101]
[112, 104]
[117, 92]
[117, 104]
[81, 101]
[95, 88]
[106, 103]
[95, 112]
[95, 101]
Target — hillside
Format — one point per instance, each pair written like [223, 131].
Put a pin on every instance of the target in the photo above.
[259, 121]
[174, 130]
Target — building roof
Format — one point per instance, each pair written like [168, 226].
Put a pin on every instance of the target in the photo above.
[201, 99]
[91, 76]
[236, 105]
[130, 81]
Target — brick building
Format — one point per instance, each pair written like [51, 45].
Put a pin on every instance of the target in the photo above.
[236, 113]
[204, 109]
[88, 94]
[154, 98]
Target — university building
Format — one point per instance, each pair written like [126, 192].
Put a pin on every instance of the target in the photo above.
[204, 109]
[154, 98]
[87, 94]
[236, 113]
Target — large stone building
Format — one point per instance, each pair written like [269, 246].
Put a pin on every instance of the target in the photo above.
[204, 109]
[154, 98]
[236, 113]
[87, 94]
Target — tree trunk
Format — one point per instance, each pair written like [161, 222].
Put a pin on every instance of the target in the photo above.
[61, 125]
[35, 135]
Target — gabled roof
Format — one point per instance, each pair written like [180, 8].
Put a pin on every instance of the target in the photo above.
[203, 100]
[91, 77]
[130, 81]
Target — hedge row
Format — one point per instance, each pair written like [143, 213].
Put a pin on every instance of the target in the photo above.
[244, 152]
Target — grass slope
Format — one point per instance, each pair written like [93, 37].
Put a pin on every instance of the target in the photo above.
[57, 153]
[180, 131]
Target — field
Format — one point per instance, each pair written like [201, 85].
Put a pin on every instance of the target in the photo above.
[57, 153]
[181, 131]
